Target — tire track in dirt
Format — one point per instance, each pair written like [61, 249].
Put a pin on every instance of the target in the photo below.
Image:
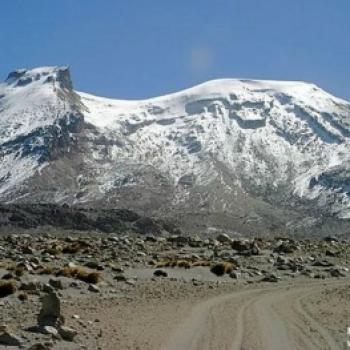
[271, 318]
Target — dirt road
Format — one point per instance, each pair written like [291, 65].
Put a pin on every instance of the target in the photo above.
[305, 315]
[260, 319]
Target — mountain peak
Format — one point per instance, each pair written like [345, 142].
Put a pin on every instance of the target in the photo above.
[235, 152]
[23, 77]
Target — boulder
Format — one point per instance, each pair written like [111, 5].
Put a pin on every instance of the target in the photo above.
[50, 313]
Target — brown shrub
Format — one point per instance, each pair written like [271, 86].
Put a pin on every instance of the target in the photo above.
[92, 277]
[221, 268]
[23, 296]
[7, 288]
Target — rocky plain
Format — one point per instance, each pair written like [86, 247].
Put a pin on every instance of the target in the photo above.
[70, 289]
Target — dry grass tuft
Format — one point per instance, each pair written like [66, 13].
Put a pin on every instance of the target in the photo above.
[203, 263]
[7, 288]
[161, 264]
[183, 264]
[174, 263]
[46, 270]
[80, 273]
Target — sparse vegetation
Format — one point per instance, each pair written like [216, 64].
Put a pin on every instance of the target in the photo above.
[81, 274]
[222, 268]
[7, 288]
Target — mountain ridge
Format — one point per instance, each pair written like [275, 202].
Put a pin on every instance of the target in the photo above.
[246, 153]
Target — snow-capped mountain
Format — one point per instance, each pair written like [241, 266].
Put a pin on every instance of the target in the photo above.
[240, 154]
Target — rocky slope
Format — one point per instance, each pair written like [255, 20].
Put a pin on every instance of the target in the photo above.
[228, 154]
[89, 291]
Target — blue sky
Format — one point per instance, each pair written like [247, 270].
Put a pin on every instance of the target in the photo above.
[140, 48]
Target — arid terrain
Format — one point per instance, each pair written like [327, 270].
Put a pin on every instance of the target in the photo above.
[77, 290]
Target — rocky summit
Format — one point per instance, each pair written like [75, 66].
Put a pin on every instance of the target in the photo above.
[239, 155]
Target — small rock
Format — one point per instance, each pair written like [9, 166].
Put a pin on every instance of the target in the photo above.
[117, 269]
[56, 283]
[224, 238]
[130, 282]
[93, 288]
[322, 263]
[41, 346]
[30, 286]
[47, 288]
[335, 272]
[49, 330]
[236, 275]
[94, 265]
[67, 333]
[271, 277]
[9, 339]
[331, 239]
[120, 278]
[160, 273]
